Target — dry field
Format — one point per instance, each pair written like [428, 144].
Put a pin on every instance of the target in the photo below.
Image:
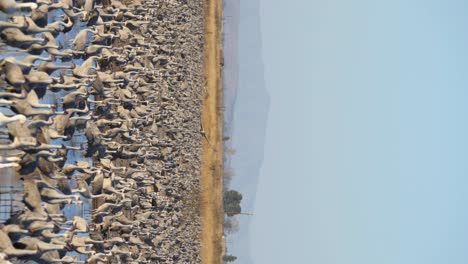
[211, 175]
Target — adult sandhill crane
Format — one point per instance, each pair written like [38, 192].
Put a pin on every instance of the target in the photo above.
[8, 119]
[38, 77]
[29, 60]
[106, 208]
[86, 5]
[80, 244]
[33, 243]
[49, 67]
[93, 50]
[83, 189]
[68, 10]
[73, 99]
[33, 100]
[30, 161]
[21, 132]
[7, 247]
[50, 194]
[69, 169]
[108, 78]
[28, 218]
[32, 197]
[50, 133]
[80, 224]
[9, 165]
[10, 6]
[117, 226]
[17, 144]
[5, 24]
[80, 40]
[68, 260]
[14, 37]
[37, 49]
[38, 122]
[14, 231]
[84, 70]
[55, 27]
[68, 24]
[39, 226]
[26, 63]
[13, 73]
[107, 163]
[23, 107]
[29, 26]
[9, 159]
[40, 15]
[21, 95]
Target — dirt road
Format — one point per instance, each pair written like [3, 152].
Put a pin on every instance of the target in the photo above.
[211, 176]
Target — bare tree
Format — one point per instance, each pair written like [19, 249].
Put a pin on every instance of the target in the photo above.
[230, 150]
[228, 174]
[231, 225]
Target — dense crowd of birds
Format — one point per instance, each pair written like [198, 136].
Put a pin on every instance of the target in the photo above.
[130, 83]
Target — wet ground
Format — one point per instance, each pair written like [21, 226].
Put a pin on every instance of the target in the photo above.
[11, 187]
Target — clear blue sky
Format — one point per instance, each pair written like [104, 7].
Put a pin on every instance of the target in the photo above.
[366, 147]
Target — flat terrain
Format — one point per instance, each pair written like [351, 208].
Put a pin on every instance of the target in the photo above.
[211, 175]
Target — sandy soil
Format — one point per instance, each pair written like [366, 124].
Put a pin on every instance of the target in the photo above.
[211, 176]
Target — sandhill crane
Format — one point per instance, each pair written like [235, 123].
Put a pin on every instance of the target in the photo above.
[14, 37]
[7, 247]
[10, 6]
[13, 73]
[8, 119]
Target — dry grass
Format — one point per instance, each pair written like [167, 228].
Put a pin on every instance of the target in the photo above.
[211, 176]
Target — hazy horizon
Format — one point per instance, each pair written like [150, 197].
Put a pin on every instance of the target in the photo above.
[365, 145]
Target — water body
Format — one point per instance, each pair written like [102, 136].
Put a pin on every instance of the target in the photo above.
[9, 180]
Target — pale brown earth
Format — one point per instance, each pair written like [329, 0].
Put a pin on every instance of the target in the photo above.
[212, 161]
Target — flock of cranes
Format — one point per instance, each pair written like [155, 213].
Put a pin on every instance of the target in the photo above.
[126, 78]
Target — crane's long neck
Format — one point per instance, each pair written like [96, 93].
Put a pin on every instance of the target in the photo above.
[31, 6]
